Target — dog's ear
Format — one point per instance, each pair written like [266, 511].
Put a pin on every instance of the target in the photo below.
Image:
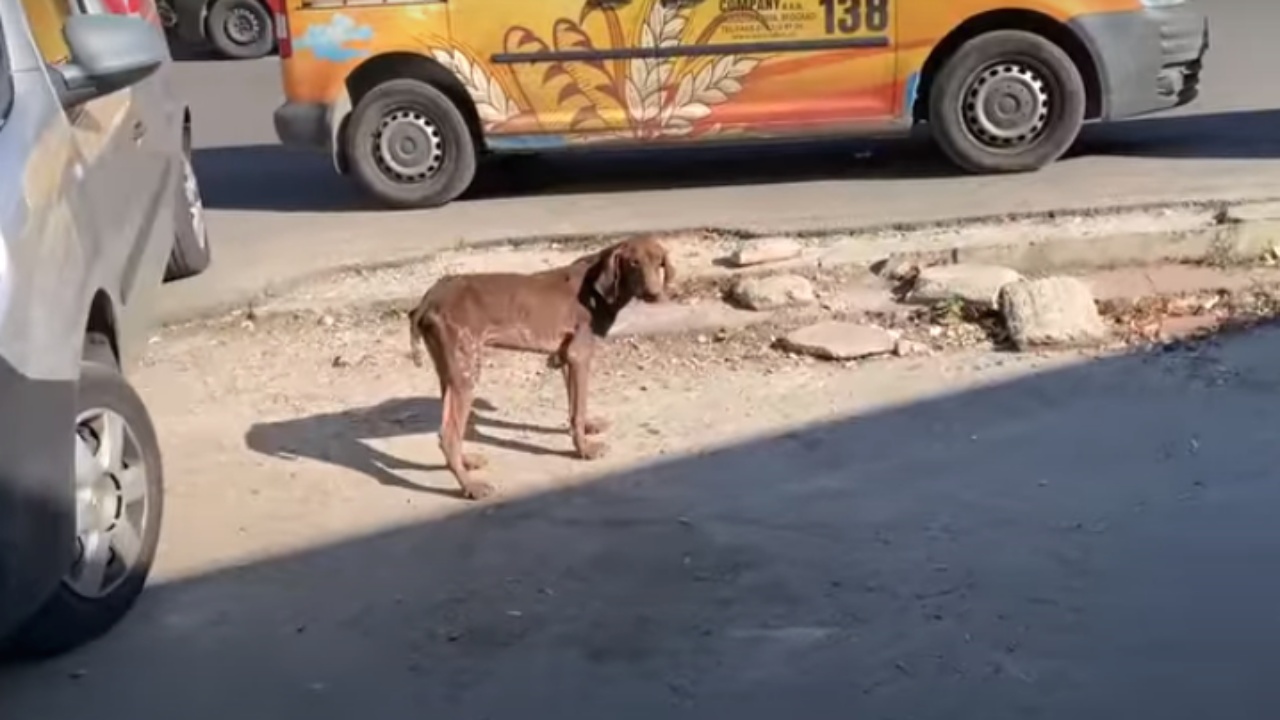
[608, 270]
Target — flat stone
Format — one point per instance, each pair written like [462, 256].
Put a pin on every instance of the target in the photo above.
[1051, 312]
[765, 250]
[1186, 327]
[975, 284]
[773, 292]
[840, 341]
[911, 348]
[1252, 212]
[641, 319]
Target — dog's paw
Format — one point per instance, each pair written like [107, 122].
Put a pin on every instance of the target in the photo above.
[595, 426]
[592, 450]
[477, 490]
[475, 461]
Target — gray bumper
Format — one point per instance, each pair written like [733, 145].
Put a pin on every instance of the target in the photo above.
[303, 125]
[37, 513]
[1147, 60]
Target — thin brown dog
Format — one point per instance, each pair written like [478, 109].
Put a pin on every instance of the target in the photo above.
[559, 313]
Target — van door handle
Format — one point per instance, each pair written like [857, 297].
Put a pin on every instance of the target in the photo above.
[139, 131]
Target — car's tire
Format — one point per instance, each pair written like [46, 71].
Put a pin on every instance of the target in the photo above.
[435, 160]
[73, 616]
[191, 253]
[241, 29]
[1006, 101]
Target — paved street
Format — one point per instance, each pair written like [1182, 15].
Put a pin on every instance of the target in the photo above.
[277, 215]
[963, 535]
[969, 536]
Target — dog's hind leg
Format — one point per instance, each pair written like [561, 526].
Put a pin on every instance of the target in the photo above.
[457, 362]
[470, 460]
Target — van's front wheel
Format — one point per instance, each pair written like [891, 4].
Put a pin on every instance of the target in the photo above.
[409, 145]
[1007, 101]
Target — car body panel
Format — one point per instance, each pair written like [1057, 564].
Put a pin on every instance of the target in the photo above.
[86, 225]
[568, 72]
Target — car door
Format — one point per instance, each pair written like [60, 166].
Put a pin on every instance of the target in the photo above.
[557, 68]
[789, 66]
[664, 69]
[48, 272]
[115, 170]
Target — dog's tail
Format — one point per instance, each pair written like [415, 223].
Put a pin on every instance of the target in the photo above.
[416, 340]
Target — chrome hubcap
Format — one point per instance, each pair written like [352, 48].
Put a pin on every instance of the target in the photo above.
[195, 204]
[408, 146]
[111, 503]
[242, 26]
[1006, 105]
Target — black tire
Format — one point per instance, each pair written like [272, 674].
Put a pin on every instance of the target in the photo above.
[68, 620]
[233, 44]
[431, 111]
[191, 253]
[1023, 58]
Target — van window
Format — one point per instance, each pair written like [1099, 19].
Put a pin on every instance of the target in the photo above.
[46, 18]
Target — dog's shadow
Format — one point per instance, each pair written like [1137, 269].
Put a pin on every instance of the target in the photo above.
[340, 438]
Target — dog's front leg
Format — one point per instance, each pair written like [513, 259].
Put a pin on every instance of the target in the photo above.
[577, 369]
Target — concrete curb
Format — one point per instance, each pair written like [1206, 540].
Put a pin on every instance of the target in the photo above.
[1032, 243]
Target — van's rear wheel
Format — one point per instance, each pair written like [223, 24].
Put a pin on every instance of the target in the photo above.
[1007, 101]
[409, 145]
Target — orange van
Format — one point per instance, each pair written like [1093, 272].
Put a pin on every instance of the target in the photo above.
[405, 94]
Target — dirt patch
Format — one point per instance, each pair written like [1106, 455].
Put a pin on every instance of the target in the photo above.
[294, 427]
[281, 436]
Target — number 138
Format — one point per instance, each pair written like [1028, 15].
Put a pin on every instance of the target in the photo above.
[849, 16]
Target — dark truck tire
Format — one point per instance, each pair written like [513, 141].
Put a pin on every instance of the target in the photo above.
[241, 29]
[1007, 101]
[409, 145]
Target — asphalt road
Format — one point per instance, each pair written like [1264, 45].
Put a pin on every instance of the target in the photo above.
[1095, 541]
[277, 215]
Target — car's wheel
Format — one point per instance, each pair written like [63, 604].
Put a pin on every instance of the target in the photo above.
[1007, 101]
[168, 16]
[409, 145]
[191, 253]
[241, 29]
[119, 504]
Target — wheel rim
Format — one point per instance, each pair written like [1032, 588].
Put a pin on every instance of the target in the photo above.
[408, 146]
[168, 17]
[195, 203]
[243, 26]
[1007, 105]
[112, 500]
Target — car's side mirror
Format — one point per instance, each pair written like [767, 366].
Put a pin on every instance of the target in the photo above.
[108, 53]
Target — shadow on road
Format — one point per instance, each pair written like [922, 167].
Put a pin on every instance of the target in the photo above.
[1096, 541]
[342, 438]
[269, 177]
[1243, 135]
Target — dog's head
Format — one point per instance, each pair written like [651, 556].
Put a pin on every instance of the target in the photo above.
[639, 267]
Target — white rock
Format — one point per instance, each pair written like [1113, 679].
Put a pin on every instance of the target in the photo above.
[910, 348]
[765, 250]
[773, 292]
[1053, 311]
[840, 341]
[976, 284]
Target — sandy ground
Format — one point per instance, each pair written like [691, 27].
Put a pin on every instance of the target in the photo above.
[973, 534]
[316, 429]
